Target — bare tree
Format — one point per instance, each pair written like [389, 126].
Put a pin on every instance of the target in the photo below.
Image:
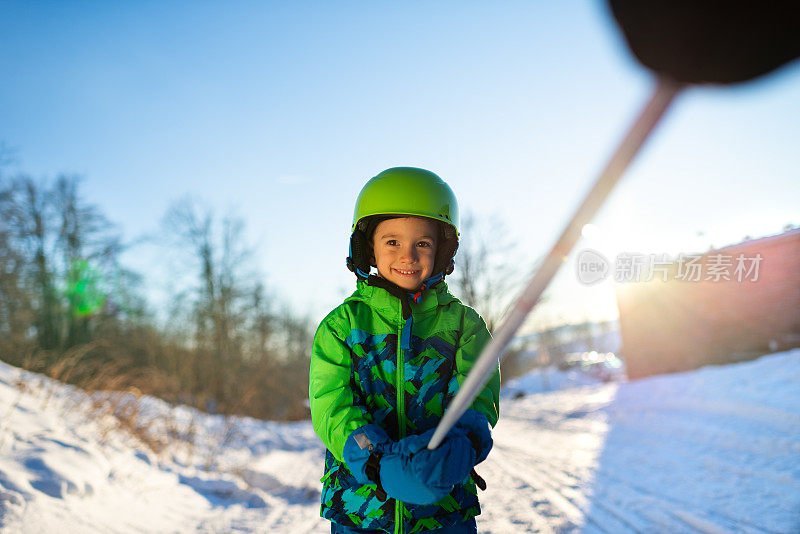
[29, 246]
[247, 356]
[486, 273]
[263, 323]
[16, 307]
[223, 295]
[66, 300]
[59, 248]
[88, 246]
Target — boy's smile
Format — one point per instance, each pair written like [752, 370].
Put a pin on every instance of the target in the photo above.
[405, 250]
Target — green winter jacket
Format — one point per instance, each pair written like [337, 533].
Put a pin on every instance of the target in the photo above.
[360, 375]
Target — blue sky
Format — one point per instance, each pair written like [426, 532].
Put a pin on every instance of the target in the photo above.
[280, 111]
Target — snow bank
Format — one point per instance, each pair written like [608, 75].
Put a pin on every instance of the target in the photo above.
[713, 450]
[66, 466]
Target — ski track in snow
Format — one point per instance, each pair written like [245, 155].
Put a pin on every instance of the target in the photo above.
[713, 451]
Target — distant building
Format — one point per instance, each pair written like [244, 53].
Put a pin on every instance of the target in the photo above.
[725, 305]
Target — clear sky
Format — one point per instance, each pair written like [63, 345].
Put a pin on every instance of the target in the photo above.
[280, 111]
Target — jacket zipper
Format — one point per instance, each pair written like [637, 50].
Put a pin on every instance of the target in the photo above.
[401, 415]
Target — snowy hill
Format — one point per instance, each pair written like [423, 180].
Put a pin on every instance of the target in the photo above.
[714, 450]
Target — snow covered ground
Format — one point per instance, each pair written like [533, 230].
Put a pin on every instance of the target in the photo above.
[713, 450]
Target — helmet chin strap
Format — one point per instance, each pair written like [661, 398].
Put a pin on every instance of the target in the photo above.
[357, 257]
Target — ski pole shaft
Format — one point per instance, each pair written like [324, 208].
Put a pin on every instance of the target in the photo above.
[663, 94]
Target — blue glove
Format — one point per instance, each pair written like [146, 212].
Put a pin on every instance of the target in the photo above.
[406, 470]
[361, 444]
[476, 427]
[449, 464]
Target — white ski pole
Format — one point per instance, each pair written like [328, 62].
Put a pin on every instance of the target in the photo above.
[493, 353]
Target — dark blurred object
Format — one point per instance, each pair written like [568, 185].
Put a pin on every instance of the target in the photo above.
[702, 41]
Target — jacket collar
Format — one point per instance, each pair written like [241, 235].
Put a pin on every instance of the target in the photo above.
[379, 298]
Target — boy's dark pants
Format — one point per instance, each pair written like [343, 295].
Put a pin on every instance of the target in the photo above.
[467, 527]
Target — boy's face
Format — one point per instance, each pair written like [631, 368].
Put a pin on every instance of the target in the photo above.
[404, 250]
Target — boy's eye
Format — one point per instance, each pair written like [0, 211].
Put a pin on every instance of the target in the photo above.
[424, 244]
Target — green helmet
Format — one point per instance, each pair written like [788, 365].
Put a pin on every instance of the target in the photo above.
[407, 191]
[404, 191]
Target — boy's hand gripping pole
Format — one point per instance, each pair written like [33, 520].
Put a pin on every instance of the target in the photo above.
[486, 364]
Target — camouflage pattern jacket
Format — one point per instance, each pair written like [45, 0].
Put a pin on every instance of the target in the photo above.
[361, 375]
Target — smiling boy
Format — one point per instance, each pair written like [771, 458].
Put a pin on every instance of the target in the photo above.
[404, 250]
[386, 363]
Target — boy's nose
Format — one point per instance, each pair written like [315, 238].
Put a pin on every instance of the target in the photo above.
[408, 254]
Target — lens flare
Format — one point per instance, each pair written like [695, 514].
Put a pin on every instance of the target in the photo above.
[84, 289]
